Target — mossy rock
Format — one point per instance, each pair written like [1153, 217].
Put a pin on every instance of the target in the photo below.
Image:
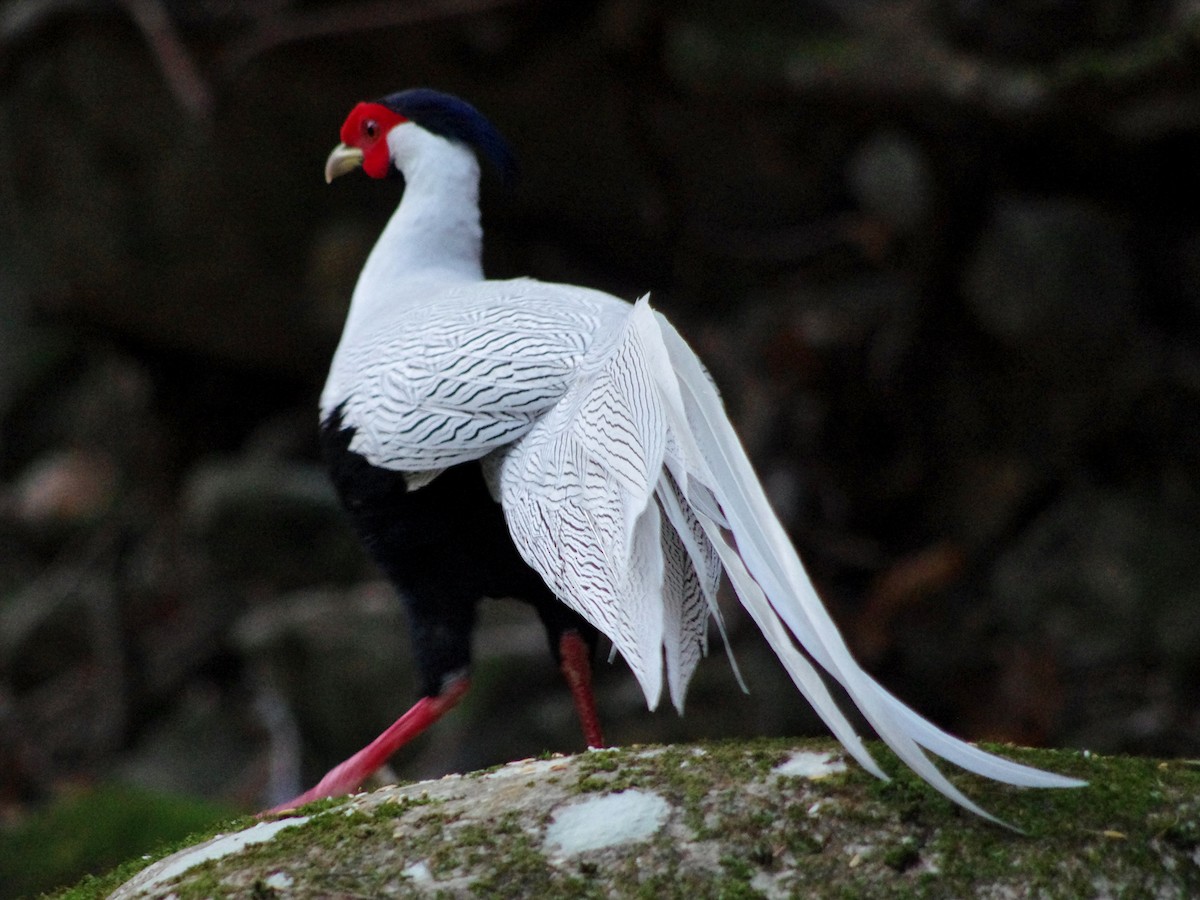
[766, 818]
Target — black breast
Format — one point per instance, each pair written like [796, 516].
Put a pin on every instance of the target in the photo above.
[444, 546]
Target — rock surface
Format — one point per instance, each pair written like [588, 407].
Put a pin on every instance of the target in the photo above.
[765, 819]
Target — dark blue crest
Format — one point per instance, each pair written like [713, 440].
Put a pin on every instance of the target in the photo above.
[455, 120]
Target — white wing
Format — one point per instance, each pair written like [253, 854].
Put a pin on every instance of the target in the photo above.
[581, 494]
[465, 371]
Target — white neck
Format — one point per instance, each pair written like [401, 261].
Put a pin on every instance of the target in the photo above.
[434, 234]
[433, 237]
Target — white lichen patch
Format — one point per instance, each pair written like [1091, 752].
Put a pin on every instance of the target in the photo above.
[279, 881]
[528, 768]
[610, 820]
[807, 764]
[222, 845]
[419, 873]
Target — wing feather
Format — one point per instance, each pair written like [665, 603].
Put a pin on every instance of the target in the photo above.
[628, 552]
[465, 371]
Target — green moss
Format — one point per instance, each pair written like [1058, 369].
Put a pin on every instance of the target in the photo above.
[94, 831]
[1066, 830]
[202, 882]
[737, 882]
[687, 772]
[963, 849]
[311, 809]
[847, 834]
[591, 784]
[902, 856]
[525, 871]
[394, 809]
[603, 761]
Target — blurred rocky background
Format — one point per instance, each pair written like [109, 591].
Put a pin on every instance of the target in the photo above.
[942, 256]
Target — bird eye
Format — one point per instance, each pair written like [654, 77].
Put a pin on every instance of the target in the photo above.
[370, 128]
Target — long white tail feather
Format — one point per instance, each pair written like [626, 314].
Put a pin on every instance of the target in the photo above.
[692, 572]
[801, 671]
[669, 495]
[681, 654]
[633, 494]
[972, 758]
[771, 582]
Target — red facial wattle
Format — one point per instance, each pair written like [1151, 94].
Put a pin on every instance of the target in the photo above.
[367, 128]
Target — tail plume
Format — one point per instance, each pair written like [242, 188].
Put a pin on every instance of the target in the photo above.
[711, 483]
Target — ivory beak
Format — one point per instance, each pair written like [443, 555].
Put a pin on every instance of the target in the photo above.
[343, 159]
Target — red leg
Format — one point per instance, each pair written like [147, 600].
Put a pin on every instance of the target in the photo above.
[577, 669]
[347, 776]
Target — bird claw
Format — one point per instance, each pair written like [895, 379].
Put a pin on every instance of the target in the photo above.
[347, 776]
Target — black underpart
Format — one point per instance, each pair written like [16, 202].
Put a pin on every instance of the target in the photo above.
[445, 547]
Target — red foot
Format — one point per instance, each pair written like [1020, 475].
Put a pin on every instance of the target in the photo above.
[577, 669]
[347, 776]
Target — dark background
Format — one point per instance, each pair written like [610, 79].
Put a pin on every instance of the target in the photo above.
[943, 257]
